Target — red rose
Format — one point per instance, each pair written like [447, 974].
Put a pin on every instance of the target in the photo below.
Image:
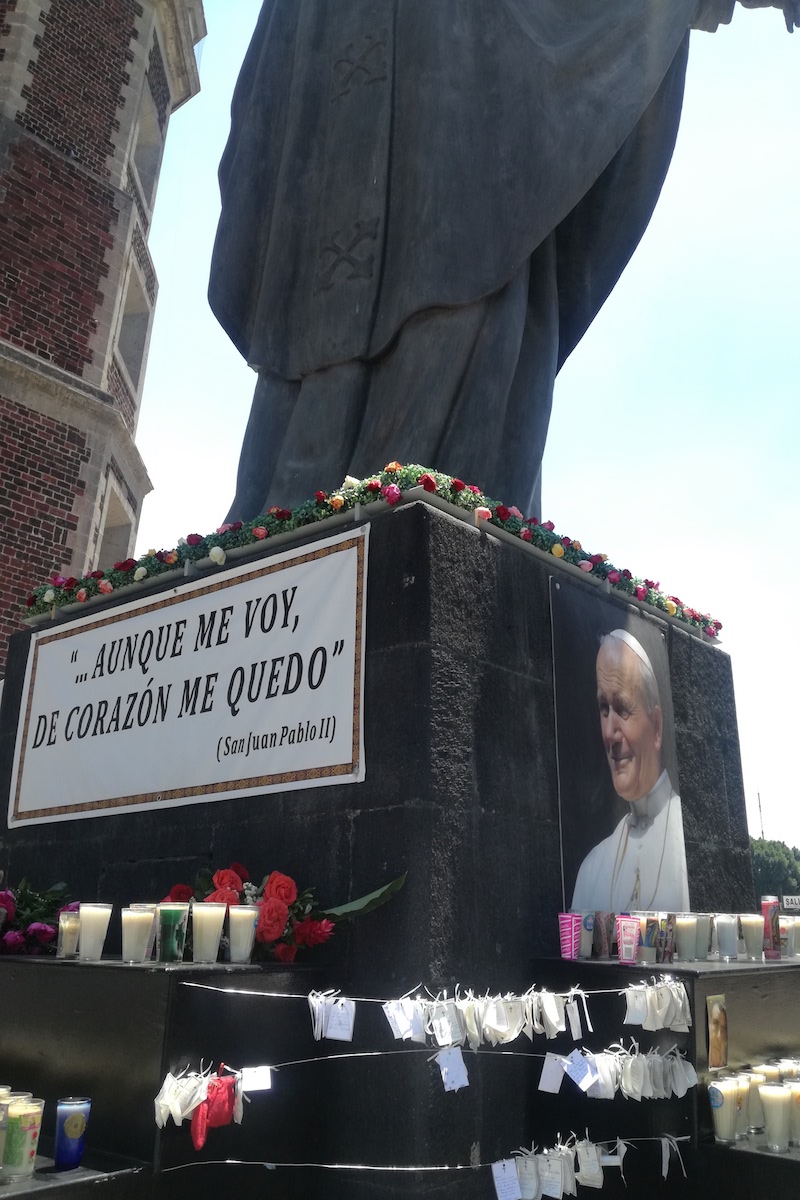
[181, 893]
[312, 933]
[241, 870]
[613, 576]
[222, 895]
[236, 526]
[320, 497]
[650, 584]
[526, 535]
[194, 539]
[281, 887]
[626, 574]
[284, 952]
[427, 481]
[31, 601]
[532, 521]
[596, 559]
[565, 541]
[70, 584]
[458, 485]
[227, 879]
[641, 592]
[95, 575]
[710, 630]
[502, 512]
[127, 564]
[717, 625]
[476, 491]
[283, 514]
[57, 580]
[373, 486]
[272, 917]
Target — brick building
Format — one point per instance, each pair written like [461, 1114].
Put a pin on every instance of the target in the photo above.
[86, 91]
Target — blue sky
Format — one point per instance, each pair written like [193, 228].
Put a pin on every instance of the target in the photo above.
[675, 432]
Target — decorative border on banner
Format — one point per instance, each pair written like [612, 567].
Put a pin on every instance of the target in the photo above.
[219, 582]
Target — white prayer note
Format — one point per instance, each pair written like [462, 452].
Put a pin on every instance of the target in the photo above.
[341, 1021]
[528, 1176]
[506, 1182]
[550, 1176]
[580, 1070]
[574, 1018]
[256, 1079]
[454, 1071]
[446, 1024]
[397, 1019]
[636, 1002]
[552, 1074]
[590, 1173]
[416, 1019]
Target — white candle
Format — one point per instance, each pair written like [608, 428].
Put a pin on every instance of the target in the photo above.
[686, 936]
[703, 936]
[753, 931]
[788, 936]
[137, 925]
[794, 1119]
[743, 1105]
[755, 1109]
[727, 936]
[242, 920]
[723, 1097]
[94, 927]
[770, 1071]
[776, 1101]
[207, 922]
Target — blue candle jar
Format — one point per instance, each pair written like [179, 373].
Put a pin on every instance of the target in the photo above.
[72, 1116]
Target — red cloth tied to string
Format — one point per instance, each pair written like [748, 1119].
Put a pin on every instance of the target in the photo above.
[216, 1110]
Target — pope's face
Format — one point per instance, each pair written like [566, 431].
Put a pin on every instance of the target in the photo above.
[631, 735]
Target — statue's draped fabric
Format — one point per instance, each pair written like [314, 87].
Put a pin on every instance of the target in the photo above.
[407, 178]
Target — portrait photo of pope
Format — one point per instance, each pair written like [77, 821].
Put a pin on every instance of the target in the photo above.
[622, 839]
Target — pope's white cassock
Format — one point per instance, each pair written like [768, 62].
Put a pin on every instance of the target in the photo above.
[642, 865]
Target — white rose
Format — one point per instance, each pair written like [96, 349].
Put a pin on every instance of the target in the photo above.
[217, 555]
[49, 596]
[139, 573]
[350, 481]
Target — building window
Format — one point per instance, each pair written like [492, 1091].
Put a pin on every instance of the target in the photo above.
[116, 533]
[134, 328]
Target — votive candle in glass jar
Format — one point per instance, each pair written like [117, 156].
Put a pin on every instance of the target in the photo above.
[776, 1101]
[753, 933]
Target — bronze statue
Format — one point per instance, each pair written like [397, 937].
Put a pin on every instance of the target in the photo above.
[424, 205]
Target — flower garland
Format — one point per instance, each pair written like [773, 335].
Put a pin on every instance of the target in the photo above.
[387, 486]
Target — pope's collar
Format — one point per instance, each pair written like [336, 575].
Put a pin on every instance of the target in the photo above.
[644, 812]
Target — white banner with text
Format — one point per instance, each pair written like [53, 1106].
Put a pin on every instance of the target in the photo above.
[243, 682]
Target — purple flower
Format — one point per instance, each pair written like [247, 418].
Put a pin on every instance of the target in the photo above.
[13, 941]
[41, 932]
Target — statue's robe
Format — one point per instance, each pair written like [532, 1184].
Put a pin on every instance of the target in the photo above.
[424, 204]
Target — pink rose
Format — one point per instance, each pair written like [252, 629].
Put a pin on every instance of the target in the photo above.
[105, 586]
[476, 491]
[613, 576]
[485, 514]
[548, 525]
[515, 512]
[391, 493]
[81, 595]
[41, 932]
[194, 539]
[58, 580]
[585, 565]
[259, 532]
[13, 941]
[224, 528]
